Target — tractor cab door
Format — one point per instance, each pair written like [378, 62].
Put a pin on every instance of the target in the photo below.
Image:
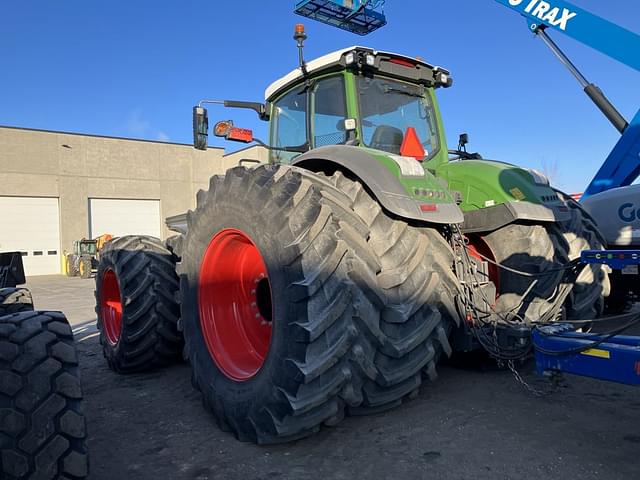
[288, 124]
[328, 112]
[309, 116]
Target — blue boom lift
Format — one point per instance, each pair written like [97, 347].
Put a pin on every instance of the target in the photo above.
[357, 16]
[610, 198]
[560, 347]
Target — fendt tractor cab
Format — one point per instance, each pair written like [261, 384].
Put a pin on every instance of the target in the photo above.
[331, 280]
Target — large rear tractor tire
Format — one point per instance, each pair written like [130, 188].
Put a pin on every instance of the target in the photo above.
[414, 276]
[587, 298]
[42, 428]
[14, 300]
[298, 308]
[136, 284]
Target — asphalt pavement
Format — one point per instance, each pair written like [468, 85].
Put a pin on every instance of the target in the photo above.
[475, 422]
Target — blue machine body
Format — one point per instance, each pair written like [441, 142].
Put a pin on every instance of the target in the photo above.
[616, 359]
[357, 16]
[616, 259]
[622, 167]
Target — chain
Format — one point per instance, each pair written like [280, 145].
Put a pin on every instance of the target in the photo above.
[534, 391]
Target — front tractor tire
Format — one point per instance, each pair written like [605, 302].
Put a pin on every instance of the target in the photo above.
[72, 265]
[537, 250]
[136, 307]
[292, 316]
[543, 251]
[593, 286]
[84, 269]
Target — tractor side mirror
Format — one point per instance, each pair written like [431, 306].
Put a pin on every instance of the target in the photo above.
[226, 130]
[463, 141]
[200, 128]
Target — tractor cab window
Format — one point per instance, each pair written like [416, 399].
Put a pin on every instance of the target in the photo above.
[87, 248]
[329, 112]
[389, 109]
[289, 124]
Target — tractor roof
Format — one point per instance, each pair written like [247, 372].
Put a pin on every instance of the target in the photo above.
[338, 60]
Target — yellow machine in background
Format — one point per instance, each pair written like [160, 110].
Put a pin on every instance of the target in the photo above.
[83, 261]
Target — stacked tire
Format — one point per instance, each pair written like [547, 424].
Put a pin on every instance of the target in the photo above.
[136, 306]
[15, 300]
[42, 428]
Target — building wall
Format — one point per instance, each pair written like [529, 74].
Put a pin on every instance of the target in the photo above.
[255, 152]
[76, 167]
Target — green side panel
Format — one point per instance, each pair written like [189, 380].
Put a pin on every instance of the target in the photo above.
[425, 188]
[485, 183]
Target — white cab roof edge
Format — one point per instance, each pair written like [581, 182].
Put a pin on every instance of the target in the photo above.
[312, 66]
[325, 60]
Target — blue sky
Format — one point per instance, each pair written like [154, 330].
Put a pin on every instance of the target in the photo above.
[135, 68]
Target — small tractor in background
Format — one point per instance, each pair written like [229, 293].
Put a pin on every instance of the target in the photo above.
[83, 261]
[332, 280]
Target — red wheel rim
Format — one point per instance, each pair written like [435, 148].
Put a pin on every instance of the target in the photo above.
[480, 250]
[111, 307]
[234, 302]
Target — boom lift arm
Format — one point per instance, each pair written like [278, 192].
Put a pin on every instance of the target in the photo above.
[622, 167]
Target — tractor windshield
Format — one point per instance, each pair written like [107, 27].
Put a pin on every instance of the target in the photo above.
[88, 248]
[391, 110]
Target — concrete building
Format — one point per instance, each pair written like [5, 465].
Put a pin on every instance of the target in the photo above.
[58, 187]
[248, 156]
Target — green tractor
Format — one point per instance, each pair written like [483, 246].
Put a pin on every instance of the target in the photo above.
[332, 280]
[83, 261]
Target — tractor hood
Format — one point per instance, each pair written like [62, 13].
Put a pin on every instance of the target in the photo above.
[496, 193]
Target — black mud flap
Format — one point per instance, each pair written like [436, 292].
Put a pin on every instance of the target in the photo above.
[11, 269]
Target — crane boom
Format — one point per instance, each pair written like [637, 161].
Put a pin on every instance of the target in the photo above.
[622, 166]
[602, 35]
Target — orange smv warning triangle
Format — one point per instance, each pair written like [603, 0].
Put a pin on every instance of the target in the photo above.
[411, 145]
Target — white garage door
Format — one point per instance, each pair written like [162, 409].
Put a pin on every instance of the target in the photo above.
[124, 217]
[32, 226]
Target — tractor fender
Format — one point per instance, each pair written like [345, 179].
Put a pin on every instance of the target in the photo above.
[381, 174]
[493, 218]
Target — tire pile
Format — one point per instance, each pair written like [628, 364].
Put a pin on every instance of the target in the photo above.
[42, 427]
